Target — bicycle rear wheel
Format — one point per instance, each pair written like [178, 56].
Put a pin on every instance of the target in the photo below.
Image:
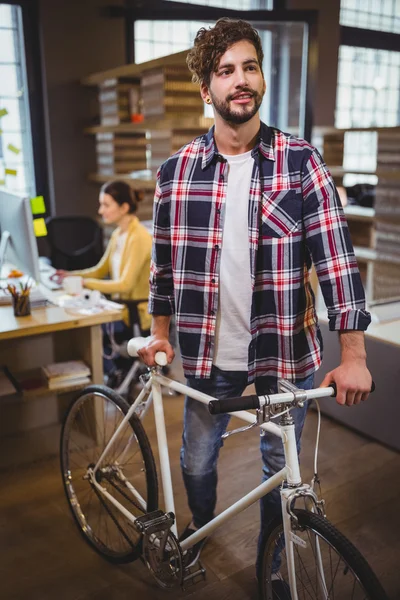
[127, 472]
[327, 565]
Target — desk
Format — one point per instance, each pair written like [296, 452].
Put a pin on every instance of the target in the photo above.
[29, 427]
[379, 416]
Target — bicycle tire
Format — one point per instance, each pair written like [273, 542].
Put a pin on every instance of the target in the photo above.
[90, 421]
[347, 559]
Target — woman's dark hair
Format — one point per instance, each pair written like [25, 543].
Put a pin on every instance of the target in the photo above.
[210, 44]
[121, 192]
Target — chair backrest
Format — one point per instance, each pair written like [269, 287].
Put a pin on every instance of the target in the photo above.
[76, 242]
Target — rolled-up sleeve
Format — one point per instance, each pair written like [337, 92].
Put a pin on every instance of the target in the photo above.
[161, 298]
[328, 241]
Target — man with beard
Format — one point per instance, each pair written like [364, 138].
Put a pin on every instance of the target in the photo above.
[239, 214]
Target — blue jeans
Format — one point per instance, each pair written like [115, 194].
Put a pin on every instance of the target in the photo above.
[202, 441]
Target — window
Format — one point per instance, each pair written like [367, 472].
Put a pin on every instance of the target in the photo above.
[381, 15]
[160, 38]
[16, 155]
[368, 91]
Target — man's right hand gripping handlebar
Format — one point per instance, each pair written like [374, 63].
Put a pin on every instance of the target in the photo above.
[155, 344]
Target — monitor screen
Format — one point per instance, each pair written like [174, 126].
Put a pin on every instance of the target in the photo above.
[21, 249]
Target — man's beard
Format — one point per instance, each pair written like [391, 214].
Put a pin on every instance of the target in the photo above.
[243, 113]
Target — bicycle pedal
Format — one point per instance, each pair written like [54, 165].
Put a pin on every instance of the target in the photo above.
[154, 521]
[193, 575]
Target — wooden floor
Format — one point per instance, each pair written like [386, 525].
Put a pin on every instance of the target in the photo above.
[44, 558]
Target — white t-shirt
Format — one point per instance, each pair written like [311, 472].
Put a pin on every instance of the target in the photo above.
[233, 336]
[117, 255]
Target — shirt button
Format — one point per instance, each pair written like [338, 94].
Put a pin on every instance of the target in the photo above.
[218, 211]
[212, 313]
[221, 177]
[216, 247]
[212, 280]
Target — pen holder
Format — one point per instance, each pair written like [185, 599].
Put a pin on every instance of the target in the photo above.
[21, 305]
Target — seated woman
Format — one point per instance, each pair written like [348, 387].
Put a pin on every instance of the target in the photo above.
[124, 270]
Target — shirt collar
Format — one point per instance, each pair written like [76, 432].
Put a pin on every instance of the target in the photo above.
[264, 145]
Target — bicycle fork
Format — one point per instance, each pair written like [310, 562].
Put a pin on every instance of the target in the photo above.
[294, 490]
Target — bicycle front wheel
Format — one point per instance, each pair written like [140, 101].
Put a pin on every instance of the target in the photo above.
[127, 472]
[327, 565]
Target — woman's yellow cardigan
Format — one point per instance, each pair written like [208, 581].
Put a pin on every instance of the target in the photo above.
[133, 282]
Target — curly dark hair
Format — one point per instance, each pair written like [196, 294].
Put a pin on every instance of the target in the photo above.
[210, 44]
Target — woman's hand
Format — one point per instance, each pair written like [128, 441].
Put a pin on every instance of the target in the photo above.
[59, 275]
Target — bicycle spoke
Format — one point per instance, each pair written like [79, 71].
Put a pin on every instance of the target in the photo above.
[92, 422]
[321, 570]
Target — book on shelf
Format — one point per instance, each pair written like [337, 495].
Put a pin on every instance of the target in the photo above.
[53, 385]
[8, 385]
[67, 372]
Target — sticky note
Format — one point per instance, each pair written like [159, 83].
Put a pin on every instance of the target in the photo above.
[2, 182]
[39, 227]
[3, 112]
[13, 149]
[10, 172]
[38, 206]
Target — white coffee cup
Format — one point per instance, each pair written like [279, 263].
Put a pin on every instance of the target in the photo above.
[72, 284]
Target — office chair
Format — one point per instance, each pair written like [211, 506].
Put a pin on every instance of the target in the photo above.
[76, 242]
[126, 370]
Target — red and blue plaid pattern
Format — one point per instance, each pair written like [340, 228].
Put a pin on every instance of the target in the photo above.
[294, 218]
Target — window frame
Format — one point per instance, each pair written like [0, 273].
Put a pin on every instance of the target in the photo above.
[35, 94]
[159, 10]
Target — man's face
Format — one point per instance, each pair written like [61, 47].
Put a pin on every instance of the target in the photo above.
[237, 87]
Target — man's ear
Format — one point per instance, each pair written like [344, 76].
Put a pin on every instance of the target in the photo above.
[205, 92]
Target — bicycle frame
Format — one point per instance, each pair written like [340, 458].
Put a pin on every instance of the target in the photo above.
[290, 473]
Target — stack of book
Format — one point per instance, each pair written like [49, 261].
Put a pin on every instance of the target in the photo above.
[69, 373]
[164, 143]
[168, 92]
[121, 153]
[387, 216]
[118, 99]
[388, 154]
[334, 149]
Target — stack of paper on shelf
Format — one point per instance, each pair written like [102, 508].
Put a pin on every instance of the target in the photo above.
[71, 372]
[386, 278]
[164, 143]
[334, 148]
[121, 153]
[115, 98]
[168, 91]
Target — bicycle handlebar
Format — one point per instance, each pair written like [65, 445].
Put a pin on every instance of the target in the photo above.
[136, 343]
[227, 405]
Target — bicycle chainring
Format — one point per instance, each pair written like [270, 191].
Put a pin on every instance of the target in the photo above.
[163, 557]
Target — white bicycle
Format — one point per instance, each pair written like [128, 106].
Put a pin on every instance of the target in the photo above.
[110, 481]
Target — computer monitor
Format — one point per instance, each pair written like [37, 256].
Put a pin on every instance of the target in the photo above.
[18, 247]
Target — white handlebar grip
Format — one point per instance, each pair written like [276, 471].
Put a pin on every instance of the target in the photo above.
[161, 359]
[134, 345]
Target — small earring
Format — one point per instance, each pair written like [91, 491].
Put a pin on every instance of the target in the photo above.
[208, 100]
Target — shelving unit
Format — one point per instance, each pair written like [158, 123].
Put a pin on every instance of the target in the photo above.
[163, 135]
[378, 258]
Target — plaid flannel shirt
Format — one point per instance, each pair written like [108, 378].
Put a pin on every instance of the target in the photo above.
[294, 218]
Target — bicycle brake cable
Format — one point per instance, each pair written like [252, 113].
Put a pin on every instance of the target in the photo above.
[316, 479]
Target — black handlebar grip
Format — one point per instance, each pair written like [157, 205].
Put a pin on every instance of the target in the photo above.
[226, 405]
[333, 385]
